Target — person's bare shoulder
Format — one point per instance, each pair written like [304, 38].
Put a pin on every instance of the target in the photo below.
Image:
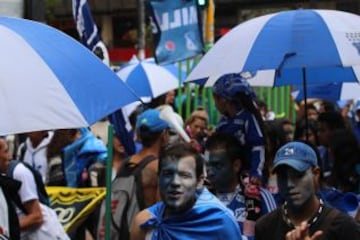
[136, 233]
[150, 173]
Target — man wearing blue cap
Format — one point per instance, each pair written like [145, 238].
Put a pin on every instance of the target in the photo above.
[303, 215]
[152, 132]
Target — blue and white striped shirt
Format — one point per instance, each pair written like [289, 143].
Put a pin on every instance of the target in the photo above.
[245, 127]
[235, 201]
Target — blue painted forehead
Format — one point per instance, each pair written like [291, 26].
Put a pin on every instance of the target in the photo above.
[229, 85]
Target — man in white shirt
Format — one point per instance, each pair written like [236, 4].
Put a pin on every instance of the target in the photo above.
[34, 151]
[37, 221]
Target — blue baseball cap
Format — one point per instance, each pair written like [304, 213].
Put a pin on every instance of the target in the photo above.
[297, 155]
[228, 85]
[151, 119]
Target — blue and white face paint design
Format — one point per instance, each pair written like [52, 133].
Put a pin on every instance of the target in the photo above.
[178, 183]
[295, 187]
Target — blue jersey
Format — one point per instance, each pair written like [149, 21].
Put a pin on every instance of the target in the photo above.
[346, 202]
[235, 201]
[245, 127]
[208, 219]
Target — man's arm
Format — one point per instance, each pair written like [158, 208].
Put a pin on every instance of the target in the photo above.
[33, 217]
[136, 233]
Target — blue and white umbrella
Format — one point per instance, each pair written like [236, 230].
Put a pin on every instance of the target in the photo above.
[149, 79]
[288, 47]
[49, 80]
[331, 91]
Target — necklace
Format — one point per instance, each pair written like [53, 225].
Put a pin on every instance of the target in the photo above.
[310, 222]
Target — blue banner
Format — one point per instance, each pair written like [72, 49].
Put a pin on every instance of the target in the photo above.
[85, 24]
[91, 39]
[176, 29]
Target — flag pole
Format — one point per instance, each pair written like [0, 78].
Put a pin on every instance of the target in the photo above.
[209, 42]
[108, 182]
[141, 30]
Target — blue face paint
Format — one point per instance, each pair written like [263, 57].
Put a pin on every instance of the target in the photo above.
[295, 187]
[219, 170]
[178, 183]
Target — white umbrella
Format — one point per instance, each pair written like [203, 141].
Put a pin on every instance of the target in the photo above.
[286, 48]
[149, 79]
[50, 81]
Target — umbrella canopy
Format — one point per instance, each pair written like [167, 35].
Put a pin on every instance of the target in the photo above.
[50, 81]
[149, 79]
[287, 47]
[331, 91]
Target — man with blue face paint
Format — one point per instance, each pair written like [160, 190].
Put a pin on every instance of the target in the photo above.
[303, 216]
[188, 210]
[225, 160]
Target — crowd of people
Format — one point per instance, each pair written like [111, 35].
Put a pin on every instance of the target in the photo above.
[250, 177]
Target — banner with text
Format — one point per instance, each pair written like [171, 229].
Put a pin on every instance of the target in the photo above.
[74, 205]
[176, 28]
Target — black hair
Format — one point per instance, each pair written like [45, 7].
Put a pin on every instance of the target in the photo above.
[147, 137]
[248, 103]
[234, 150]
[333, 119]
[328, 106]
[301, 128]
[346, 153]
[275, 137]
[158, 101]
[179, 150]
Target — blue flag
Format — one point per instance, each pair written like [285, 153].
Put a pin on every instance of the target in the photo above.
[176, 29]
[85, 24]
[124, 134]
[91, 39]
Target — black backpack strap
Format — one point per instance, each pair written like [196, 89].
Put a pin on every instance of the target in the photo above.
[22, 151]
[10, 189]
[10, 173]
[40, 187]
[11, 168]
[138, 179]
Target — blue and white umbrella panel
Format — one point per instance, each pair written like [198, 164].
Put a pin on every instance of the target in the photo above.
[280, 48]
[49, 80]
[149, 79]
[332, 91]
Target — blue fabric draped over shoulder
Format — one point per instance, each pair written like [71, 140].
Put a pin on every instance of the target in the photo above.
[208, 219]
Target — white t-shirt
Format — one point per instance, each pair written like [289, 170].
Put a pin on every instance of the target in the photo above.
[36, 157]
[51, 229]
[28, 189]
[4, 220]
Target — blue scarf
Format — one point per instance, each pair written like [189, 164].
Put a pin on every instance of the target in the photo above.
[208, 219]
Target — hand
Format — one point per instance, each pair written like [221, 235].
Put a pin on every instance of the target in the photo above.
[255, 180]
[196, 145]
[252, 200]
[302, 233]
